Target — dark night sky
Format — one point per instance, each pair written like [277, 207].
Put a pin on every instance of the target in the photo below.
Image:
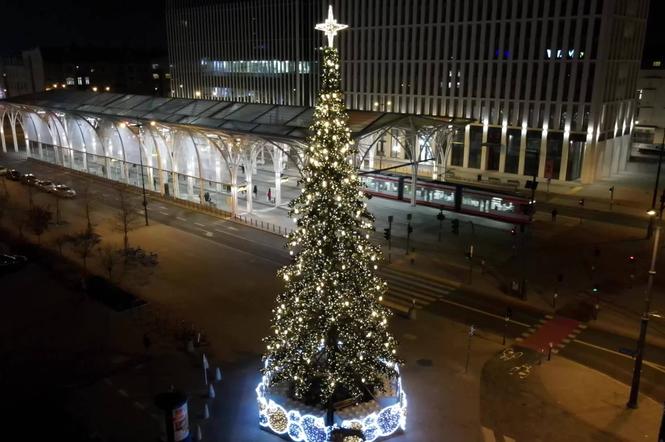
[140, 24]
[119, 23]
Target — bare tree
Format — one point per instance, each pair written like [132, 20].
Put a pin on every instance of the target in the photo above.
[38, 219]
[84, 243]
[126, 216]
[110, 259]
[59, 241]
[87, 201]
[57, 208]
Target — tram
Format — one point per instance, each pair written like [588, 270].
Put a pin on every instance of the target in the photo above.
[461, 198]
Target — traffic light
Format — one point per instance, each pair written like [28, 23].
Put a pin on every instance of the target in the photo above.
[441, 216]
[409, 228]
[595, 289]
[631, 259]
[513, 231]
[386, 233]
[455, 226]
[581, 202]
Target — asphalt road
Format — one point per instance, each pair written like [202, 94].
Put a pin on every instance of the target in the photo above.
[593, 348]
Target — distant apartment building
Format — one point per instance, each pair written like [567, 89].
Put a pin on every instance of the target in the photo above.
[95, 69]
[650, 119]
[550, 83]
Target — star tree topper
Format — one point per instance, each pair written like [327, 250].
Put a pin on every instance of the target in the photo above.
[330, 27]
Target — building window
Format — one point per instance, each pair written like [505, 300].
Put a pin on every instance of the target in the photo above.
[493, 148]
[553, 160]
[532, 157]
[475, 146]
[79, 81]
[87, 80]
[513, 139]
[70, 81]
[575, 157]
[155, 76]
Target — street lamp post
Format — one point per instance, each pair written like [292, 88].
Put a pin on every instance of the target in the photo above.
[655, 187]
[139, 125]
[644, 323]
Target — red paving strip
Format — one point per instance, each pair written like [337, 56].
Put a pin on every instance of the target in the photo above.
[554, 330]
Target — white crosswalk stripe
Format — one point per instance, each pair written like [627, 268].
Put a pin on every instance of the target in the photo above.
[404, 288]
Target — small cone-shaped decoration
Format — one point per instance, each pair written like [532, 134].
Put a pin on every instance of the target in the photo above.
[218, 374]
[199, 435]
[206, 412]
[211, 392]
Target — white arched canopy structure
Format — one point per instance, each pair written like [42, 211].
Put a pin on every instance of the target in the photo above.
[208, 152]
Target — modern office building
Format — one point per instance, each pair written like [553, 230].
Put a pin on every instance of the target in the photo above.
[551, 83]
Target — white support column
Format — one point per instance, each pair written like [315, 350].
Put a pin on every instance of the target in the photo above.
[234, 190]
[12, 123]
[543, 154]
[483, 148]
[249, 186]
[467, 145]
[415, 149]
[176, 185]
[504, 139]
[277, 167]
[563, 170]
[522, 158]
[2, 135]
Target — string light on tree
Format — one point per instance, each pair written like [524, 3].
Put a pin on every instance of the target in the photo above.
[330, 339]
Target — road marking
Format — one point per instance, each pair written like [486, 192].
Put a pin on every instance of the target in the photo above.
[139, 405]
[473, 309]
[199, 224]
[123, 393]
[232, 228]
[165, 213]
[107, 381]
[179, 218]
[597, 347]
[208, 234]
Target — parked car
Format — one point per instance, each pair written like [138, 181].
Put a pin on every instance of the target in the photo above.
[64, 191]
[10, 263]
[46, 186]
[29, 179]
[14, 175]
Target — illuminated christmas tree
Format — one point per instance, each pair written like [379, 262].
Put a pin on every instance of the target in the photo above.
[330, 337]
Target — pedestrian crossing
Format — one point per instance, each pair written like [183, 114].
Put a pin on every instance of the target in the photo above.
[405, 287]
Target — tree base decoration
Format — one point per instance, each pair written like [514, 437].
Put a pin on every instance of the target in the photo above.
[383, 416]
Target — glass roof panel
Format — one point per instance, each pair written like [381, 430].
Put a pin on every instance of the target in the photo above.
[216, 108]
[173, 105]
[152, 103]
[280, 115]
[195, 108]
[249, 112]
[129, 101]
[236, 125]
[227, 110]
[360, 120]
[302, 120]
[272, 129]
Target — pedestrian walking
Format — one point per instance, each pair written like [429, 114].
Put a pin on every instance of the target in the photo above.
[256, 191]
[554, 214]
[206, 197]
[269, 194]
[242, 168]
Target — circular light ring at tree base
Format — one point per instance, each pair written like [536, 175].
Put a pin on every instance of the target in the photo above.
[295, 421]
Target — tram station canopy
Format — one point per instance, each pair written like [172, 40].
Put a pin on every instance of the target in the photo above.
[275, 122]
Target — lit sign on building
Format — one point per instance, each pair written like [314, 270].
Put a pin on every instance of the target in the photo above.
[561, 53]
[220, 67]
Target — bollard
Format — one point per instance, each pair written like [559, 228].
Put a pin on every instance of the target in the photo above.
[206, 411]
[412, 309]
[211, 392]
[218, 374]
[549, 352]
